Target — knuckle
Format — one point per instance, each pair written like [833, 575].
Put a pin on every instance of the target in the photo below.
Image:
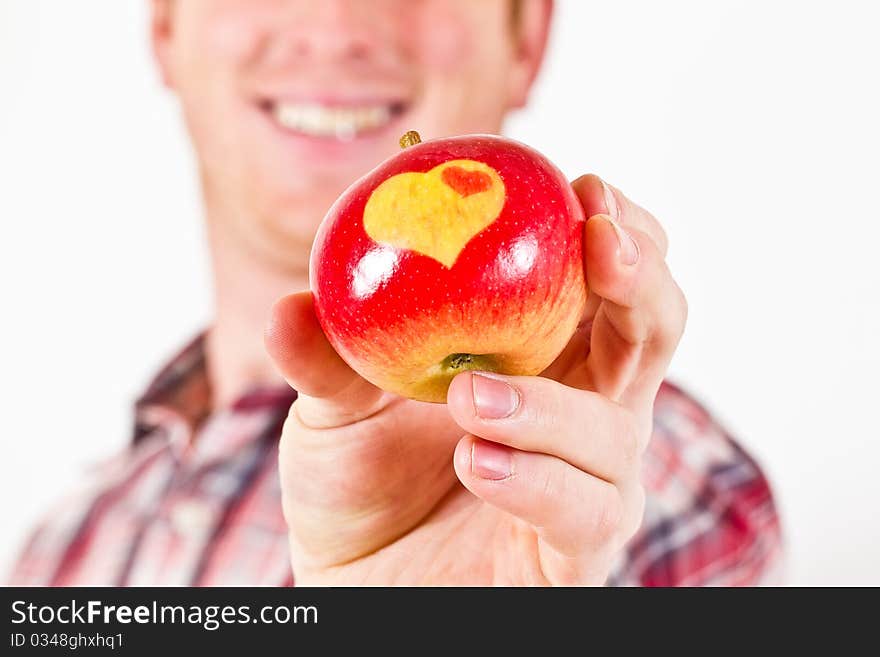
[630, 445]
[643, 431]
[681, 304]
[291, 438]
[673, 319]
[607, 516]
[548, 411]
[636, 511]
[548, 485]
[652, 227]
[661, 237]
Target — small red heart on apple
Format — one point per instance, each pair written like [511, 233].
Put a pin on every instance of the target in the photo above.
[455, 254]
[466, 182]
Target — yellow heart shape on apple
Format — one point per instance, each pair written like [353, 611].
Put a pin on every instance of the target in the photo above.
[438, 212]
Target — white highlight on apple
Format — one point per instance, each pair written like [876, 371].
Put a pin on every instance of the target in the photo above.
[520, 258]
[374, 269]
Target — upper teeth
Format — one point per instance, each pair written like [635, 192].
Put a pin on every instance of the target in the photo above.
[324, 121]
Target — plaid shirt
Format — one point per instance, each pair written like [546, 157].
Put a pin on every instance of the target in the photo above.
[184, 506]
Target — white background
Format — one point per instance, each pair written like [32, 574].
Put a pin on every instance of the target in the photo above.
[749, 128]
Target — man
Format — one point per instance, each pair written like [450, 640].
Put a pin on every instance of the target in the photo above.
[596, 472]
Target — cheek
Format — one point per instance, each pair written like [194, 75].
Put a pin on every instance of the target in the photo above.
[215, 41]
[444, 42]
[463, 56]
[232, 41]
[220, 34]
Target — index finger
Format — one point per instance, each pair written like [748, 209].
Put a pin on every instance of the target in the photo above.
[639, 311]
[598, 197]
[330, 392]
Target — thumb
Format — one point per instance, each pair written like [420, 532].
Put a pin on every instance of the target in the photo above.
[330, 392]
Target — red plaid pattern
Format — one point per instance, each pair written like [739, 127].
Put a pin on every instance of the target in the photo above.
[205, 509]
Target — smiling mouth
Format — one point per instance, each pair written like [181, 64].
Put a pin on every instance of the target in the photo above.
[339, 122]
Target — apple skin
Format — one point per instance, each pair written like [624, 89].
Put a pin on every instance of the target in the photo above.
[509, 303]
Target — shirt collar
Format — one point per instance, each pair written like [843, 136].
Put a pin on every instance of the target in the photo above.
[180, 394]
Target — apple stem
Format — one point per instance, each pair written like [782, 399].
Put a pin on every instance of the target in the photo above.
[411, 138]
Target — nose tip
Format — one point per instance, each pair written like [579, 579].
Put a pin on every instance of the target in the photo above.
[338, 30]
[332, 43]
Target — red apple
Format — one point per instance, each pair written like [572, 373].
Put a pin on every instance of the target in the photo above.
[455, 254]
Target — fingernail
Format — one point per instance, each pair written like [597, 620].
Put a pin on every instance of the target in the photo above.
[490, 461]
[610, 202]
[628, 249]
[493, 398]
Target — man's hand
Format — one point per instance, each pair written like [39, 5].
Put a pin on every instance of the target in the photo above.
[544, 486]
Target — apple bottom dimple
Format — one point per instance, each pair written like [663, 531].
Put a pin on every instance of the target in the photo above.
[420, 357]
